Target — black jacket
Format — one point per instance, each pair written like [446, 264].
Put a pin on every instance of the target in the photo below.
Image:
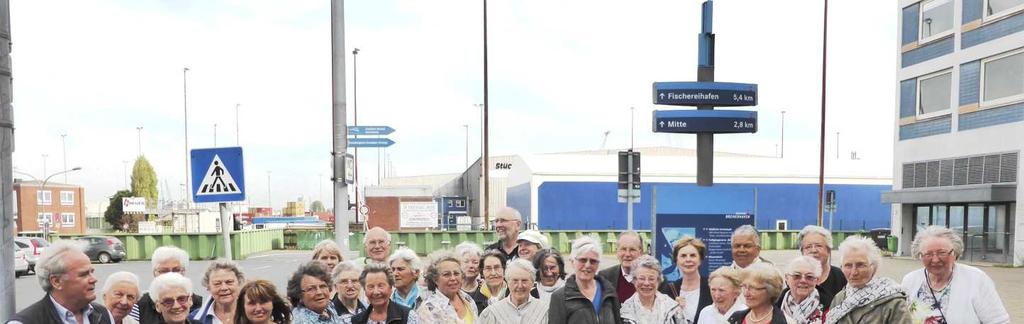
[508, 256]
[147, 308]
[342, 310]
[672, 290]
[397, 314]
[44, 312]
[569, 306]
[777, 316]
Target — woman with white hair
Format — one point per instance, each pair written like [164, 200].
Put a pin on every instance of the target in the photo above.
[222, 280]
[586, 297]
[519, 306]
[803, 300]
[725, 292]
[816, 241]
[469, 253]
[948, 291]
[867, 298]
[406, 265]
[172, 295]
[647, 305]
[447, 303]
[165, 259]
[120, 291]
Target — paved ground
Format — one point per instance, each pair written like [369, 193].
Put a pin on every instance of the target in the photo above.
[278, 265]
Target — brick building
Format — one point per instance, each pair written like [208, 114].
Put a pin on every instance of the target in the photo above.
[62, 204]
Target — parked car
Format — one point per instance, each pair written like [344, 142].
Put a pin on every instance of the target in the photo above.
[103, 249]
[34, 247]
[20, 262]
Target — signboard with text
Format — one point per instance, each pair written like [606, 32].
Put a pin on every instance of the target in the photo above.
[705, 121]
[133, 205]
[705, 94]
[417, 214]
[715, 230]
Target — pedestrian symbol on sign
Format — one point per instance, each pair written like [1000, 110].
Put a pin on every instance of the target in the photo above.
[217, 180]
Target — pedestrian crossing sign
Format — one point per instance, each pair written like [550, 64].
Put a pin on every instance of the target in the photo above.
[217, 175]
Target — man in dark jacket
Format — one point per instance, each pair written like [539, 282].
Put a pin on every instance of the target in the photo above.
[507, 225]
[165, 259]
[70, 289]
[630, 247]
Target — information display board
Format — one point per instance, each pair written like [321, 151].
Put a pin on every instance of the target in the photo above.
[715, 230]
[418, 214]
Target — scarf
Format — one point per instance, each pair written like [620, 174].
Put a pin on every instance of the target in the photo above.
[805, 312]
[410, 300]
[876, 289]
[492, 297]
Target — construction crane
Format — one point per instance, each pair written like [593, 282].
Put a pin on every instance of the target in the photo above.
[604, 140]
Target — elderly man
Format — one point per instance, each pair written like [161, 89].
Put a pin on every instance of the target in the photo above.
[746, 247]
[630, 247]
[165, 259]
[66, 275]
[377, 243]
[120, 291]
[507, 224]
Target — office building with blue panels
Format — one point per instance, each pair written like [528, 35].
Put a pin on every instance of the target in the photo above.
[960, 124]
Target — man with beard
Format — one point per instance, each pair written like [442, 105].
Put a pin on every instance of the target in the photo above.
[66, 275]
[630, 247]
[507, 224]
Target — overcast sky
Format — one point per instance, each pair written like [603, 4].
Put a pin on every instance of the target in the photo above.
[561, 74]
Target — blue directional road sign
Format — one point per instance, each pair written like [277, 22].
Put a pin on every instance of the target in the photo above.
[370, 130]
[705, 94]
[705, 121]
[370, 142]
[218, 175]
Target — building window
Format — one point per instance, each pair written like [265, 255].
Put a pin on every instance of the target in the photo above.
[934, 93]
[936, 19]
[67, 219]
[44, 197]
[1000, 8]
[45, 218]
[67, 198]
[1002, 79]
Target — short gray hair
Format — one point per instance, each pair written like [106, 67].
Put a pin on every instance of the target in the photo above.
[734, 276]
[935, 231]
[803, 259]
[223, 265]
[747, 230]
[583, 244]
[343, 267]
[407, 255]
[387, 235]
[814, 229]
[166, 253]
[647, 262]
[430, 274]
[52, 262]
[521, 264]
[860, 243]
[327, 246]
[766, 274]
[468, 247]
[377, 268]
[633, 234]
[119, 277]
[166, 281]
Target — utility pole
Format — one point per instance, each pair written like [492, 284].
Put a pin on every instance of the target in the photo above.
[184, 91]
[64, 144]
[706, 73]
[340, 128]
[355, 122]
[486, 158]
[7, 287]
[821, 139]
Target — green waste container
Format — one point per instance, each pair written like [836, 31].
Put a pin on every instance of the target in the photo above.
[893, 243]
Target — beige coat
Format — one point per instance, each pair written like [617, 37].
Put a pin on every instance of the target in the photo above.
[892, 309]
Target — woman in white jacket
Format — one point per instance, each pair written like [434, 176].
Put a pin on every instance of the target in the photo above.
[945, 291]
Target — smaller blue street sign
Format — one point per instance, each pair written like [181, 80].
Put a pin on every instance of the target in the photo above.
[705, 121]
[218, 175]
[705, 94]
[370, 130]
[370, 142]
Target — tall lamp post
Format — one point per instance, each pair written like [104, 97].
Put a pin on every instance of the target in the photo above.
[355, 122]
[184, 91]
[64, 145]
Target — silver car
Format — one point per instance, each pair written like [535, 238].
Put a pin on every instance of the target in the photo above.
[20, 262]
[34, 247]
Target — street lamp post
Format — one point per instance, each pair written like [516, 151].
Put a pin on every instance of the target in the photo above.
[184, 90]
[355, 122]
[64, 145]
[139, 129]
[270, 203]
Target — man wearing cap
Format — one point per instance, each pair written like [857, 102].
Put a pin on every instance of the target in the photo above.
[630, 247]
[507, 224]
[531, 241]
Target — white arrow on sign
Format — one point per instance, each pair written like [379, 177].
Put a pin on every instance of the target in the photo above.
[661, 123]
[662, 95]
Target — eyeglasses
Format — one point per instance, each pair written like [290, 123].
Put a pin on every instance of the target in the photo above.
[314, 289]
[180, 300]
[502, 221]
[588, 260]
[939, 253]
[808, 276]
[377, 243]
[451, 274]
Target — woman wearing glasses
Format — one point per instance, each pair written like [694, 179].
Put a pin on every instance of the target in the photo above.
[586, 297]
[804, 300]
[816, 242]
[493, 289]
[867, 298]
[309, 291]
[172, 296]
[762, 285]
[447, 303]
[945, 291]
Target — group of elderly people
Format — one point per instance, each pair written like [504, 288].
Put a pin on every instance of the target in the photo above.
[520, 279]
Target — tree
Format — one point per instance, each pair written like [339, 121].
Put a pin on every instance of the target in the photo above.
[317, 207]
[114, 215]
[144, 181]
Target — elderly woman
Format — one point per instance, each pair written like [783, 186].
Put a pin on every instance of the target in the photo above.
[493, 289]
[586, 297]
[530, 241]
[691, 290]
[329, 253]
[550, 273]
[378, 282]
[447, 304]
[725, 291]
[405, 265]
[222, 280]
[346, 286]
[867, 298]
[309, 291]
[762, 285]
[165, 259]
[172, 295]
[519, 306]
[816, 242]
[647, 305]
[259, 303]
[803, 300]
[469, 253]
[120, 291]
[946, 290]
